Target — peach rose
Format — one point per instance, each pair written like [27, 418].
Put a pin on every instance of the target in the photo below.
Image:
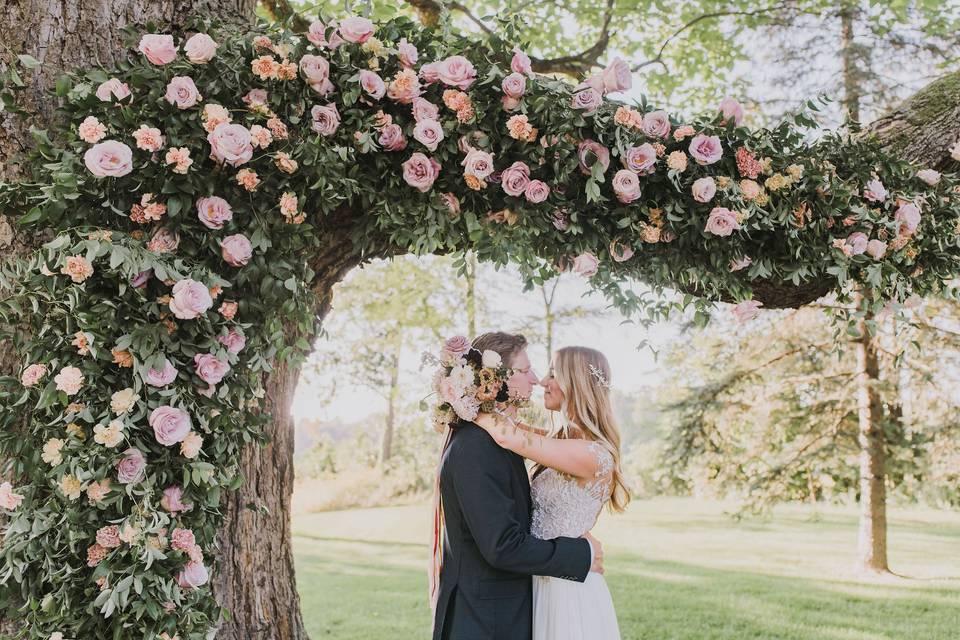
[148, 138]
[586, 264]
[33, 374]
[78, 268]
[704, 189]
[91, 130]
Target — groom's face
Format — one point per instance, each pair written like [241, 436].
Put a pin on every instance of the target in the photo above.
[521, 362]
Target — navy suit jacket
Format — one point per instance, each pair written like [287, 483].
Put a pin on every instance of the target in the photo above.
[489, 556]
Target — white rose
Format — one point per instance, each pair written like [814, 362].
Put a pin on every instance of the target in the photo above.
[491, 359]
[123, 401]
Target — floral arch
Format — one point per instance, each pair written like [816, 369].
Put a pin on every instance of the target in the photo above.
[194, 197]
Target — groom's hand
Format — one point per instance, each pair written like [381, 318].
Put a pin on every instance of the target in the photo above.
[596, 566]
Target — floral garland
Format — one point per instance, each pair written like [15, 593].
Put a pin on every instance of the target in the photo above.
[208, 167]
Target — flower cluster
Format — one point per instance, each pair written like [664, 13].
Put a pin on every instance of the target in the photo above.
[468, 381]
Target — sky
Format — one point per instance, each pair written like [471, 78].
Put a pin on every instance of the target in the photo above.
[632, 368]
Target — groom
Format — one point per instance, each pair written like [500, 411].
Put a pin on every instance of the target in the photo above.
[489, 555]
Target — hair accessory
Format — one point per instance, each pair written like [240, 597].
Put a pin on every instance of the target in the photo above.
[601, 379]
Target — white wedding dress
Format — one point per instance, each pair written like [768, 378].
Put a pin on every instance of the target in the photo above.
[564, 609]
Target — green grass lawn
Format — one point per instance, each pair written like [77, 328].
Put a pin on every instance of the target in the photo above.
[678, 569]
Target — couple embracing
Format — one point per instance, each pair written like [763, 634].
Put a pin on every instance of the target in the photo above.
[513, 554]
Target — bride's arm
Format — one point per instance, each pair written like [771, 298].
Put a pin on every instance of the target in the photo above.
[577, 458]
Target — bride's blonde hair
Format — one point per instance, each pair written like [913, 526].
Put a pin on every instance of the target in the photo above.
[583, 375]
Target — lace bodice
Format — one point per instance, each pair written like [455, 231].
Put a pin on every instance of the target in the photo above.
[562, 506]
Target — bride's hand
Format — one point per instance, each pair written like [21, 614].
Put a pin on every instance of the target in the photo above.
[488, 421]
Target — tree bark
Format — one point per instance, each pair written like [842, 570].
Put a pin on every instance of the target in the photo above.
[872, 544]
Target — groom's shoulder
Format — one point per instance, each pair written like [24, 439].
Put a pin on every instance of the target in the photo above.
[471, 438]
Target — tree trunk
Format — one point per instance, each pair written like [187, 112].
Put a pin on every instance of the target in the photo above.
[386, 444]
[872, 546]
[848, 53]
[471, 295]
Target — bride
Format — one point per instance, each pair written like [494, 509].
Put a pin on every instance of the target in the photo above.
[576, 473]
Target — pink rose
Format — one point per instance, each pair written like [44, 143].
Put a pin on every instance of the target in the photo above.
[234, 341]
[747, 310]
[457, 345]
[407, 54]
[641, 159]
[425, 110]
[521, 63]
[620, 251]
[908, 215]
[326, 120]
[193, 576]
[140, 280]
[317, 35]
[626, 186]
[706, 149]
[587, 100]
[109, 159]
[132, 467]
[430, 72]
[722, 222]
[457, 71]
[514, 85]
[929, 176]
[420, 171]
[509, 104]
[316, 71]
[170, 425]
[356, 29]
[236, 250]
[9, 500]
[392, 138]
[519, 386]
[876, 249]
[858, 242]
[586, 264]
[372, 84]
[113, 89]
[209, 368]
[172, 500]
[740, 264]
[33, 374]
[537, 191]
[656, 124]
[182, 539]
[616, 77]
[255, 96]
[515, 178]
[231, 144]
[478, 163]
[731, 109]
[190, 299]
[214, 211]
[161, 377]
[429, 133]
[158, 48]
[591, 152]
[704, 189]
[875, 191]
[200, 48]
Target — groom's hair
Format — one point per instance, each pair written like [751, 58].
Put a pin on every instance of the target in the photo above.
[506, 344]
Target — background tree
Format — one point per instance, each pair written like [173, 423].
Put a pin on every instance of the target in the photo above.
[382, 311]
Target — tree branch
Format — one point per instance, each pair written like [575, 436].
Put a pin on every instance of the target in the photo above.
[658, 59]
[281, 11]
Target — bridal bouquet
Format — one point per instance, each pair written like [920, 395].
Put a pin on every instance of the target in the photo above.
[467, 382]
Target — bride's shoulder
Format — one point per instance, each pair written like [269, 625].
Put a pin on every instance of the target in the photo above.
[603, 457]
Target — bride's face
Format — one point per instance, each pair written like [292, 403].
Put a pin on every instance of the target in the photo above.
[552, 393]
